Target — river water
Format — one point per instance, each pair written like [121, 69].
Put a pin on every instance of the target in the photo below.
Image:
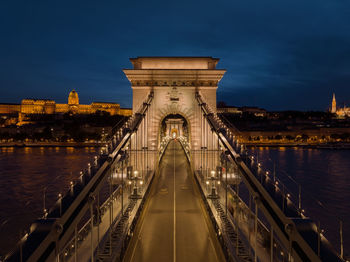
[25, 172]
[324, 176]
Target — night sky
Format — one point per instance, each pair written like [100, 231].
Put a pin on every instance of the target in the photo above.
[279, 55]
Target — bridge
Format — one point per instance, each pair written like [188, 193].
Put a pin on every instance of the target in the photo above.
[174, 184]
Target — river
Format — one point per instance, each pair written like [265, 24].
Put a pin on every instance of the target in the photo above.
[324, 176]
[25, 173]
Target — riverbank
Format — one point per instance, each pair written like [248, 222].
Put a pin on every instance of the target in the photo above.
[302, 145]
[52, 144]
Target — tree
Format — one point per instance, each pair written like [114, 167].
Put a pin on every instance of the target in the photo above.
[221, 104]
[47, 133]
[5, 135]
[304, 137]
[278, 137]
[345, 136]
[289, 137]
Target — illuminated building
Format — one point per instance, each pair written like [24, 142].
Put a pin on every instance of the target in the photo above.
[341, 112]
[46, 106]
[256, 111]
[334, 105]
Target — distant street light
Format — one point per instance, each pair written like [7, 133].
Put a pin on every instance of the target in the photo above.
[213, 178]
[135, 194]
[60, 202]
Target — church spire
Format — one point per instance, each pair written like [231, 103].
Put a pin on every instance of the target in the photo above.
[334, 105]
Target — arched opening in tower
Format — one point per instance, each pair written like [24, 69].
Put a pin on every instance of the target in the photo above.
[174, 126]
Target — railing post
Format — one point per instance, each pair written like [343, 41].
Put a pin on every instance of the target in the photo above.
[318, 238]
[20, 247]
[249, 222]
[58, 231]
[201, 137]
[98, 223]
[213, 148]
[289, 229]
[137, 147]
[341, 239]
[226, 185]
[271, 244]
[91, 202]
[299, 206]
[60, 202]
[283, 198]
[237, 200]
[44, 201]
[75, 242]
[237, 238]
[110, 213]
[237, 216]
[256, 231]
[122, 196]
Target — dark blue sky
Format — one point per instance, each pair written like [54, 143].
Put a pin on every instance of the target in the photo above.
[279, 55]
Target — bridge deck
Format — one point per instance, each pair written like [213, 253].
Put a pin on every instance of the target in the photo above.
[173, 225]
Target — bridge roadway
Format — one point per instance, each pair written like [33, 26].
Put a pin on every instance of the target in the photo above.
[174, 225]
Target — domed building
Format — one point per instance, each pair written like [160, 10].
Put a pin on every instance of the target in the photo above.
[73, 102]
[73, 98]
[48, 106]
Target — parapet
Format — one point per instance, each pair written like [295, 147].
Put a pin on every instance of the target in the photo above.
[174, 62]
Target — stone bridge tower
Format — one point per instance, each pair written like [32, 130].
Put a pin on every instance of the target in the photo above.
[174, 81]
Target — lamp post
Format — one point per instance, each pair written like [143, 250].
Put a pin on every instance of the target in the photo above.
[44, 202]
[60, 199]
[213, 193]
[135, 178]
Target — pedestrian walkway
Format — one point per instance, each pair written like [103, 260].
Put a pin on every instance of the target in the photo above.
[173, 226]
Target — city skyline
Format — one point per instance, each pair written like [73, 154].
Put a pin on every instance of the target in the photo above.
[220, 103]
[279, 56]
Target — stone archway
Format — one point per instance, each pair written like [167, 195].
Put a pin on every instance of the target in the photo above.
[171, 123]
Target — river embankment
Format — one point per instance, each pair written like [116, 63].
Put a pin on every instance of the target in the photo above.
[52, 144]
[341, 145]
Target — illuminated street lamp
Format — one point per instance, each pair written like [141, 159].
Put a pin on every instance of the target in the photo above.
[71, 185]
[44, 202]
[134, 177]
[60, 202]
[213, 178]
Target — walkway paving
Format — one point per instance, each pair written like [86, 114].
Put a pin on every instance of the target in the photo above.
[174, 227]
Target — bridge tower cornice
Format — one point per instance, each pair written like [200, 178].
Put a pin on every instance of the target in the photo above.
[182, 78]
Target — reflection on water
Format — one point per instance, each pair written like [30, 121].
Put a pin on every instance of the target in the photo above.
[323, 175]
[24, 174]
